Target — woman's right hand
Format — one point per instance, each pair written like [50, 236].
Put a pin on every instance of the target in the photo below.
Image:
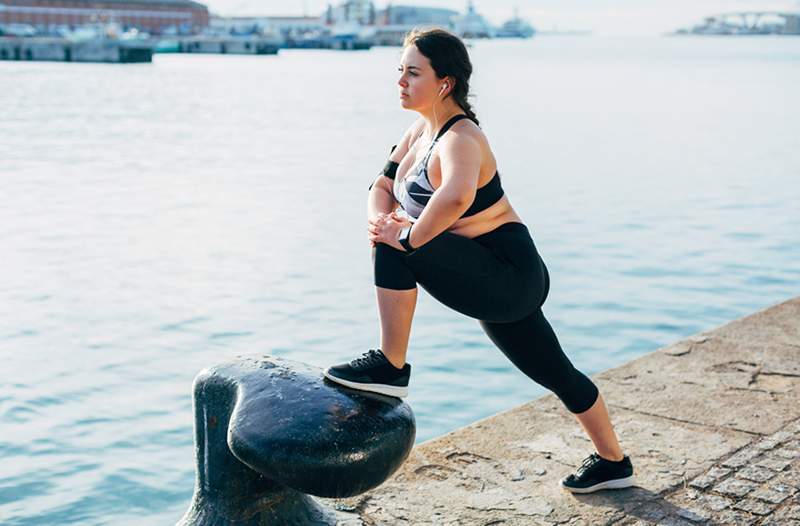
[373, 224]
[403, 220]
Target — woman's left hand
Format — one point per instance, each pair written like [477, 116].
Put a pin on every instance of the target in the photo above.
[386, 229]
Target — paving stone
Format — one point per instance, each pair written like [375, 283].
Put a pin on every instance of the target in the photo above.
[790, 478]
[694, 514]
[786, 434]
[674, 521]
[742, 458]
[702, 482]
[694, 506]
[774, 494]
[784, 452]
[769, 521]
[735, 518]
[793, 428]
[710, 478]
[650, 512]
[775, 464]
[631, 521]
[787, 513]
[756, 473]
[773, 440]
[692, 494]
[735, 487]
[754, 506]
[715, 502]
[765, 445]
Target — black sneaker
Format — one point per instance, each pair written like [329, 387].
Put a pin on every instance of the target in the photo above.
[598, 473]
[372, 371]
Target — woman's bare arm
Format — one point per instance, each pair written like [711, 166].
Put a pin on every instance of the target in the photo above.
[381, 198]
[460, 159]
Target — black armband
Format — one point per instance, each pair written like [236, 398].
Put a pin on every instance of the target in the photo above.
[389, 170]
[391, 167]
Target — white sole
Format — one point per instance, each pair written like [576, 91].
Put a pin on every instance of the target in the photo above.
[399, 392]
[609, 484]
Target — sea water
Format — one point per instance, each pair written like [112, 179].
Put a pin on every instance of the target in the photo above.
[160, 218]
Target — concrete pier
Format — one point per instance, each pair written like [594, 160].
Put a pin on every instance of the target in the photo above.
[232, 46]
[64, 50]
[711, 423]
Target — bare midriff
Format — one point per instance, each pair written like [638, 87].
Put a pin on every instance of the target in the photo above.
[486, 220]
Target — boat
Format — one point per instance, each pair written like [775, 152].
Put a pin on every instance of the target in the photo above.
[472, 25]
[515, 28]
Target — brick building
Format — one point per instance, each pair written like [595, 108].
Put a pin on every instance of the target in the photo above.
[153, 16]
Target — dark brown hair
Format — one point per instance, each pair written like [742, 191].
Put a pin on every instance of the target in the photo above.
[448, 56]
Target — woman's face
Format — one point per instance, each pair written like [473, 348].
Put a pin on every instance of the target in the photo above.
[418, 84]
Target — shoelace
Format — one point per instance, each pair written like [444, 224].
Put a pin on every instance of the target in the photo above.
[587, 463]
[371, 357]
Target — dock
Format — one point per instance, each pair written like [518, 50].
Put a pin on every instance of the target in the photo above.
[65, 50]
[711, 424]
[227, 45]
[747, 23]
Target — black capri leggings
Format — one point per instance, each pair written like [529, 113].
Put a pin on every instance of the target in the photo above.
[499, 279]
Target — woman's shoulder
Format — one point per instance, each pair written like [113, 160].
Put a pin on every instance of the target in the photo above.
[467, 127]
[465, 144]
[464, 134]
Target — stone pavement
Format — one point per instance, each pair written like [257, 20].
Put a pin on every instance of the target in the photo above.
[758, 484]
[711, 423]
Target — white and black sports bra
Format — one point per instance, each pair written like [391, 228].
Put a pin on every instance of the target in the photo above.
[415, 190]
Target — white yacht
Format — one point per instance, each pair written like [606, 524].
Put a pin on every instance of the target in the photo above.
[515, 28]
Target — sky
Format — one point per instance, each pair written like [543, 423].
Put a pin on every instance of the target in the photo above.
[600, 16]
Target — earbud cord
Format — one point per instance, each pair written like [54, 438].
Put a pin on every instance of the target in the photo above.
[435, 117]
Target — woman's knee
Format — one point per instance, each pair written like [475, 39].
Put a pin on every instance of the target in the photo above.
[390, 270]
[575, 390]
[578, 393]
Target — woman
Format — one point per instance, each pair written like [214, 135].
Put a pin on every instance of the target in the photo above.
[469, 249]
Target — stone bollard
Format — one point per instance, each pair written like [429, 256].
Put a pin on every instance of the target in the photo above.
[270, 432]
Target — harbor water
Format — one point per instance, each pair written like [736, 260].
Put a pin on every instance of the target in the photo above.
[160, 218]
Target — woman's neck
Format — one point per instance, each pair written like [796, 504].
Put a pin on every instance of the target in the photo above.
[435, 120]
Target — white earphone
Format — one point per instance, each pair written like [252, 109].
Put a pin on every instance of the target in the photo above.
[444, 87]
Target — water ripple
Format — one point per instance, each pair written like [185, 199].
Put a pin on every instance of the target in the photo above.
[125, 274]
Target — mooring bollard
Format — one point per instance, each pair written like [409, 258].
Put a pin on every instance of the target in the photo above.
[270, 432]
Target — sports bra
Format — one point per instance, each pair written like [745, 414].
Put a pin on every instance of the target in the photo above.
[415, 190]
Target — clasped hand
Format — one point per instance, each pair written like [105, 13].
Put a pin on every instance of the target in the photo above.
[386, 229]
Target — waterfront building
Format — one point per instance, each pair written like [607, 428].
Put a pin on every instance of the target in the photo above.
[416, 16]
[351, 11]
[300, 31]
[153, 16]
[250, 25]
[288, 31]
[792, 24]
[290, 23]
[395, 21]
